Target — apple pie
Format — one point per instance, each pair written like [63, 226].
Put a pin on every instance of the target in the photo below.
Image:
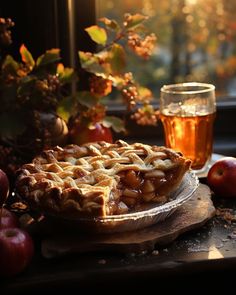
[100, 179]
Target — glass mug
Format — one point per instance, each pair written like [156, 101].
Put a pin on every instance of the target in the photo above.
[187, 112]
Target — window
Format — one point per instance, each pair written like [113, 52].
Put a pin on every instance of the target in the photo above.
[196, 41]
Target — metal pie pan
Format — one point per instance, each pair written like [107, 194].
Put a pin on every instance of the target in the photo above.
[134, 220]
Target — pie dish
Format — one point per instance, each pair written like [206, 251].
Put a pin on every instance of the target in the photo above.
[100, 179]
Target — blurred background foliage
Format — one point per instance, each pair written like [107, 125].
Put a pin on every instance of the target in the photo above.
[196, 41]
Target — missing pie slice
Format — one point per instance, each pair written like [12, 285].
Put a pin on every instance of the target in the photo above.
[100, 179]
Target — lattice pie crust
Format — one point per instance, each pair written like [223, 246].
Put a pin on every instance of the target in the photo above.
[100, 179]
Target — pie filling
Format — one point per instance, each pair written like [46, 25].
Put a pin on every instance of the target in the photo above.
[100, 179]
[137, 188]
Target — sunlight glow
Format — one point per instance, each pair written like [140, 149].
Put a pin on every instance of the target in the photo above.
[214, 253]
[191, 2]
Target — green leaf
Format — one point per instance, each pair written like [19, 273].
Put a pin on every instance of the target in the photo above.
[66, 76]
[135, 20]
[26, 57]
[118, 81]
[10, 65]
[117, 59]
[11, 125]
[110, 24]
[97, 34]
[141, 29]
[65, 108]
[115, 123]
[90, 62]
[51, 56]
[145, 93]
[85, 98]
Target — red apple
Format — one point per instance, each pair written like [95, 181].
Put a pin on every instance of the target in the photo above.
[221, 177]
[16, 251]
[80, 135]
[4, 187]
[8, 219]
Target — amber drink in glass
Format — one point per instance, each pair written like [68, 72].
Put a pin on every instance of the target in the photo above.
[187, 112]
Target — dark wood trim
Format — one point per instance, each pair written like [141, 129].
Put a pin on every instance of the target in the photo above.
[85, 16]
[34, 24]
[45, 24]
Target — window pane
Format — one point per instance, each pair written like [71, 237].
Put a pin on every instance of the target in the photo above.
[196, 41]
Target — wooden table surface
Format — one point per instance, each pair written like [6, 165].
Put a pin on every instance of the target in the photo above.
[194, 256]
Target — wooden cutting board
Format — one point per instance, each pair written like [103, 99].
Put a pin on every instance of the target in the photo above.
[191, 215]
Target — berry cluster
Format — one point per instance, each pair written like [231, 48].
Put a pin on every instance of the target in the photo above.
[108, 66]
[142, 47]
[95, 114]
[130, 96]
[30, 93]
[100, 86]
[146, 115]
[5, 33]
[46, 91]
